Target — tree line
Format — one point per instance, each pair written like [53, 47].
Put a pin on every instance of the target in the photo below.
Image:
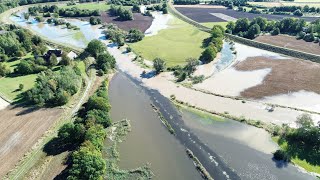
[85, 138]
[121, 12]
[120, 36]
[65, 12]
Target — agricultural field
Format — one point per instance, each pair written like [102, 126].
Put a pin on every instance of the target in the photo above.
[21, 128]
[172, 43]
[290, 42]
[203, 15]
[289, 75]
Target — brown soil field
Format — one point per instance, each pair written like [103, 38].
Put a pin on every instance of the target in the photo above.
[290, 42]
[139, 21]
[290, 75]
[20, 129]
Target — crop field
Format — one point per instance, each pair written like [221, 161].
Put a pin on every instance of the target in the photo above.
[290, 42]
[291, 75]
[174, 44]
[20, 129]
[203, 15]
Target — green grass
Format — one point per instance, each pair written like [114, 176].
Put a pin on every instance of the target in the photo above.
[81, 65]
[174, 44]
[302, 163]
[9, 85]
[211, 24]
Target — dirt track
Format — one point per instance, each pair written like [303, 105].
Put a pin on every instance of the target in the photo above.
[286, 76]
[20, 130]
[290, 42]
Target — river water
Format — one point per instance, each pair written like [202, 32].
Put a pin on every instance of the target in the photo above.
[227, 149]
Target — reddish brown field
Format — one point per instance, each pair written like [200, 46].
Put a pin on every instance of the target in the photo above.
[20, 129]
[139, 21]
[291, 43]
[290, 75]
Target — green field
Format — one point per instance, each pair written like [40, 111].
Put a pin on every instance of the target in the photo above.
[174, 44]
[211, 24]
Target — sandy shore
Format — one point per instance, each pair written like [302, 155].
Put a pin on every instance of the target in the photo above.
[250, 109]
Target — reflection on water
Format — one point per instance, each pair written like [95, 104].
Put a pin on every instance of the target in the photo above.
[244, 148]
[149, 141]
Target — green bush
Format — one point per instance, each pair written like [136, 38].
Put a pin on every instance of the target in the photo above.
[281, 155]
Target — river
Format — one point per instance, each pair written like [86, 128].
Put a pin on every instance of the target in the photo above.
[227, 149]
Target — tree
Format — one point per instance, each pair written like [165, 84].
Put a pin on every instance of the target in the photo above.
[65, 60]
[105, 62]
[242, 25]
[208, 54]
[253, 31]
[165, 10]
[304, 121]
[3, 70]
[21, 86]
[53, 61]
[26, 16]
[135, 35]
[136, 8]
[159, 65]
[87, 163]
[95, 47]
[126, 15]
[297, 12]
[262, 22]
[98, 103]
[191, 65]
[231, 26]
[275, 31]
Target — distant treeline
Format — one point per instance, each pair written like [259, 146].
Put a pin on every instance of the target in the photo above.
[186, 2]
[65, 12]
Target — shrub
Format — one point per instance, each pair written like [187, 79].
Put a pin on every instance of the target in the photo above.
[281, 155]
[197, 79]
[275, 31]
[135, 35]
[159, 65]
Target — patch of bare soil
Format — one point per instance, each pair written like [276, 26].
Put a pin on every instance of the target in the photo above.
[290, 42]
[139, 21]
[290, 75]
[20, 129]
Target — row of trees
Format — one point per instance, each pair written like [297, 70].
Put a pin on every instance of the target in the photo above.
[121, 12]
[54, 88]
[65, 12]
[250, 29]
[213, 44]
[159, 7]
[85, 137]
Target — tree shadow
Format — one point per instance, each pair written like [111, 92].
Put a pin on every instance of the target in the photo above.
[206, 42]
[148, 75]
[65, 173]
[280, 163]
[57, 146]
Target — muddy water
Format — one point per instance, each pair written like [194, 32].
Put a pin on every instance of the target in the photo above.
[149, 141]
[244, 148]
